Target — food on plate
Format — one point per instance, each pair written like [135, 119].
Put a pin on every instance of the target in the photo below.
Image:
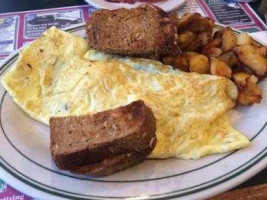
[212, 49]
[220, 68]
[243, 39]
[226, 52]
[105, 142]
[230, 59]
[228, 39]
[249, 55]
[249, 92]
[179, 61]
[261, 50]
[144, 31]
[235, 53]
[112, 165]
[61, 79]
[195, 22]
[199, 64]
[194, 31]
[185, 39]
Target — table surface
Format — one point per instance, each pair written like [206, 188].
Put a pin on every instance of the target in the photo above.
[19, 5]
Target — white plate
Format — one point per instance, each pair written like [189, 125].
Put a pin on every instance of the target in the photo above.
[26, 164]
[167, 5]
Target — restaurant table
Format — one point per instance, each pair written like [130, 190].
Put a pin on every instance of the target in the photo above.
[25, 5]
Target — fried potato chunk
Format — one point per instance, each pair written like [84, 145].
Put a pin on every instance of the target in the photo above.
[261, 50]
[189, 54]
[200, 25]
[249, 92]
[229, 40]
[199, 64]
[212, 48]
[186, 20]
[244, 39]
[249, 56]
[220, 68]
[212, 52]
[240, 78]
[178, 62]
[228, 37]
[185, 39]
[174, 18]
[229, 58]
[204, 37]
[194, 31]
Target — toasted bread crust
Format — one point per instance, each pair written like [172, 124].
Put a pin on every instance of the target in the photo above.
[143, 31]
[82, 140]
[114, 164]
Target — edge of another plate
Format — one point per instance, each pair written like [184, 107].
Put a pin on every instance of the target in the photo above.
[166, 5]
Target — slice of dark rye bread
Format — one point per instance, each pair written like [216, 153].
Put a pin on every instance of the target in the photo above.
[144, 31]
[78, 141]
[114, 164]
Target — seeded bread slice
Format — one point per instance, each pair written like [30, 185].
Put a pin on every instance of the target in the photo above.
[82, 140]
[145, 31]
[115, 164]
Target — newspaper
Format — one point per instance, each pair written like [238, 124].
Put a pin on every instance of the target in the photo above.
[18, 29]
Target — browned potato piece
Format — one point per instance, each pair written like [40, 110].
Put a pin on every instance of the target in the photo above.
[181, 63]
[240, 78]
[169, 60]
[178, 62]
[212, 52]
[196, 42]
[253, 79]
[243, 39]
[220, 68]
[204, 37]
[256, 44]
[215, 42]
[229, 58]
[249, 95]
[229, 40]
[190, 54]
[240, 67]
[262, 51]
[174, 18]
[185, 39]
[194, 31]
[249, 92]
[201, 25]
[248, 55]
[212, 48]
[186, 19]
[199, 64]
[195, 22]
[194, 46]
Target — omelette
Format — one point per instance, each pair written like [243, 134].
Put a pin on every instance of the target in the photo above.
[57, 75]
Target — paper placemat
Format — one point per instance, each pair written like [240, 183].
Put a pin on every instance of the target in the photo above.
[20, 28]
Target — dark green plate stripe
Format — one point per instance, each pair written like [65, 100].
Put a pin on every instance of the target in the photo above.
[172, 194]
